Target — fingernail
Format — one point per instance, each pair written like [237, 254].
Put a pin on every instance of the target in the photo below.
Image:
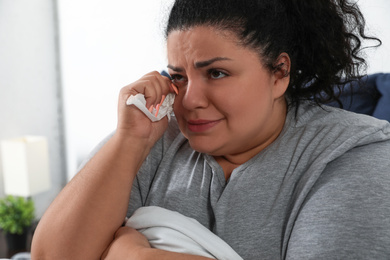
[157, 109]
[162, 99]
[151, 108]
[175, 88]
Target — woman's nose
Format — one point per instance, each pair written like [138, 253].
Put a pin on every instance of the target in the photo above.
[195, 95]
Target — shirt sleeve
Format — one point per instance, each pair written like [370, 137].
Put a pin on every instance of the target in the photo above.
[346, 214]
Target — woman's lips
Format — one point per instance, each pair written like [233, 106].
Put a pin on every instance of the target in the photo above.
[198, 126]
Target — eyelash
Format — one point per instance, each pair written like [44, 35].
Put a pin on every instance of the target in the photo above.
[179, 81]
[211, 71]
[174, 77]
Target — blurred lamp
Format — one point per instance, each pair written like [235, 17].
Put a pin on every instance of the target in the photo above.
[25, 163]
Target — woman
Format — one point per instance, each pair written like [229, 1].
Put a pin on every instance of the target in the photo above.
[247, 155]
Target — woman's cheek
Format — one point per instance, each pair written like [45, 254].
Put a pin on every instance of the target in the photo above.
[177, 106]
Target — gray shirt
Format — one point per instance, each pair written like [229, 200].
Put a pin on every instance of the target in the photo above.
[320, 191]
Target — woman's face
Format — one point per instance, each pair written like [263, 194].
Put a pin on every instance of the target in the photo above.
[228, 104]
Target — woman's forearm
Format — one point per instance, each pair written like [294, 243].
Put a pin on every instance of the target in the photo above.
[82, 220]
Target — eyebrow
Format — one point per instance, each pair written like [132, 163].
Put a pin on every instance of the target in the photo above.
[200, 64]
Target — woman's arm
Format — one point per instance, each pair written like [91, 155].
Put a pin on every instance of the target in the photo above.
[82, 220]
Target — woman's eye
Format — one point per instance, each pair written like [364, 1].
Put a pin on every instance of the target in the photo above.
[178, 80]
[177, 77]
[216, 74]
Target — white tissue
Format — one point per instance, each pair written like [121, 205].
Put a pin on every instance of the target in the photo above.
[166, 107]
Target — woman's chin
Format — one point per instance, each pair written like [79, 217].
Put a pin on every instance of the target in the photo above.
[206, 148]
[201, 147]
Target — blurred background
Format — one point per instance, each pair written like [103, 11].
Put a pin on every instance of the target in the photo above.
[62, 64]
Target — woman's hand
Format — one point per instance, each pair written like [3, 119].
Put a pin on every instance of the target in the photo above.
[131, 121]
[128, 244]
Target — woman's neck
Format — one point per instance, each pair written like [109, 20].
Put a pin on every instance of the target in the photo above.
[230, 162]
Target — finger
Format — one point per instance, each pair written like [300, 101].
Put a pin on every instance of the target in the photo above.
[161, 85]
[168, 84]
[172, 87]
[156, 83]
[152, 91]
[142, 86]
[159, 105]
[153, 86]
[164, 84]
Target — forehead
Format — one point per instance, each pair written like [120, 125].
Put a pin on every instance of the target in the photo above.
[202, 42]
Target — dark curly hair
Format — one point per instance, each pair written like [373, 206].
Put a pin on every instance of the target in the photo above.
[322, 37]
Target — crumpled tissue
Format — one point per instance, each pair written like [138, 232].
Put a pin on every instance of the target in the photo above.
[166, 107]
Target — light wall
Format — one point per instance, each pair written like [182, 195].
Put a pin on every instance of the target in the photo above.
[378, 23]
[105, 45]
[30, 96]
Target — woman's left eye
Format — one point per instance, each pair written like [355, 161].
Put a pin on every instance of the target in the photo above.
[216, 74]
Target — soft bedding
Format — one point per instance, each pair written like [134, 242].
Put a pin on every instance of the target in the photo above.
[172, 231]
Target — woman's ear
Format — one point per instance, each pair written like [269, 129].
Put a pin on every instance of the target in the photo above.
[281, 74]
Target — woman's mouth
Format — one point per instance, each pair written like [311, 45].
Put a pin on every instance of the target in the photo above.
[198, 126]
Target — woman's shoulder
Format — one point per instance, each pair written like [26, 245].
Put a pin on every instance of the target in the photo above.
[311, 115]
[332, 129]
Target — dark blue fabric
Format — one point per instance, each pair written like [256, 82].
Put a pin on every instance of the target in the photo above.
[166, 74]
[370, 96]
[382, 110]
